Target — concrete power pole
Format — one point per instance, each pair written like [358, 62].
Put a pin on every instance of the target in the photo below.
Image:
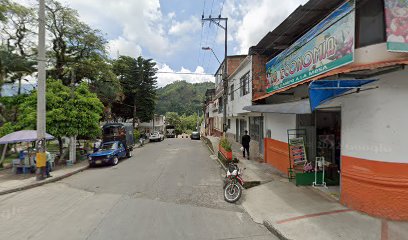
[41, 156]
[217, 21]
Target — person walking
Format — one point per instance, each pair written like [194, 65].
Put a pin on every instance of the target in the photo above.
[245, 143]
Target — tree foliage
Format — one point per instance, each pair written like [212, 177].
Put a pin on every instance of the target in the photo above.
[182, 97]
[17, 42]
[183, 123]
[73, 43]
[137, 76]
[69, 112]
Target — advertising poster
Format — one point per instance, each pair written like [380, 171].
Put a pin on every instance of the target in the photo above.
[328, 45]
[396, 21]
[297, 150]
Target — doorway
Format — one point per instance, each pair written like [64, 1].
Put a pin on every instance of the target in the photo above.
[237, 130]
[323, 139]
[242, 128]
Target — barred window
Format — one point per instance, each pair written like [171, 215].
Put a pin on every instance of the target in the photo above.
[244, 82]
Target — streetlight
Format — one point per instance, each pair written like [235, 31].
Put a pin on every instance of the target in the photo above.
[208, 48]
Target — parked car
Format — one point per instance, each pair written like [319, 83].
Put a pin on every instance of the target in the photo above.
[156, 137]
[108, 153]
[195, 135]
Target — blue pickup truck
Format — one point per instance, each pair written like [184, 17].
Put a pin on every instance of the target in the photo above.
[108, 153]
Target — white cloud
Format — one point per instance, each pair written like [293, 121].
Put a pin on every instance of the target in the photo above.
[121, 46]
[253, 19]
[186, 27]
[137, 22]
[167, 75]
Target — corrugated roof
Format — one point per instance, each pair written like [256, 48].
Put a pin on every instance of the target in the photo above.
[294, 26]
[346, 69]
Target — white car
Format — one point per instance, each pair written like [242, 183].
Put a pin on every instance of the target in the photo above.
[156, 137]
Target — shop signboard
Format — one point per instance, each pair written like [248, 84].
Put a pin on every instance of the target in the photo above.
[396, 20]
[328, 45]
[297, 150]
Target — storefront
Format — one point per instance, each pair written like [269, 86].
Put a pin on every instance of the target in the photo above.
[355, 122]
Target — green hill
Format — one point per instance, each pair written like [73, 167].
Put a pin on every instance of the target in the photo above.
[182, 97]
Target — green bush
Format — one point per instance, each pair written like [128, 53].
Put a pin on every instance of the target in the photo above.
[6, 129]
[226, 144]
[136, 134]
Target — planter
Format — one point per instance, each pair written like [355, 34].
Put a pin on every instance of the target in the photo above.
[307, 179]
[225, 153]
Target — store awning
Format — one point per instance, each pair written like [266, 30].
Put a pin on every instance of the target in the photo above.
[323, 90]
[297, 107]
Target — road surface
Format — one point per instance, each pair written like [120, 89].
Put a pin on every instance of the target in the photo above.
[167, 190]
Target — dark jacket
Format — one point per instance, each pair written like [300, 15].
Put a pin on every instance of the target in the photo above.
[245, 140]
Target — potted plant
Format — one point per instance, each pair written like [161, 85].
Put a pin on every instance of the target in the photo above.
[225, 148]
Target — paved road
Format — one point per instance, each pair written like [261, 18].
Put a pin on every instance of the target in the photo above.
[168, 190]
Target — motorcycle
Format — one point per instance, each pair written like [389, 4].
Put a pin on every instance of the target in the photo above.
[233, 183]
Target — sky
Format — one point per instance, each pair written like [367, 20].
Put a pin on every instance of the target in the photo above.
[171, 31]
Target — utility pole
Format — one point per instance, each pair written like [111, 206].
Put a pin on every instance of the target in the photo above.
[41, 156]
[72, 139]
[217, 21]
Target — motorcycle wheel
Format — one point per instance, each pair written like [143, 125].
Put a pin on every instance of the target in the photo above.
[232, 192]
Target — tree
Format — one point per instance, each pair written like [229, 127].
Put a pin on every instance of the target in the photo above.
[69, 112]
[172, 118]
[98, 72]
[137, 77]
[182, 97]
[17, 47]
[3, 10]
[73, 43]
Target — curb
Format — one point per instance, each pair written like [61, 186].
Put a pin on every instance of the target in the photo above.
[274, 231]
[49, 180]
[218, 160]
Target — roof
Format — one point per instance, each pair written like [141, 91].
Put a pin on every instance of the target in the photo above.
[352, 70]
[293, 27]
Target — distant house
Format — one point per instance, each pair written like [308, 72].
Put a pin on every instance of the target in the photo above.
[156, 124]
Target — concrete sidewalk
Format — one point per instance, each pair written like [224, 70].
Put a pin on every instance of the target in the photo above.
[298, 213]
[10, 182]
[254, 171]
[292, 212]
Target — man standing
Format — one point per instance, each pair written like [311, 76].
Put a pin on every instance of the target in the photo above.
[245, 143]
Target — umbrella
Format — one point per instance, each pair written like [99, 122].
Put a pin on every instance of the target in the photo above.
[22, 136]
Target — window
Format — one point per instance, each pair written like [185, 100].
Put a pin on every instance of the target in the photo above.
[255, 128]
[232, 92]
[370, 25]
[220, 105]
[244, 82]
[229, 124]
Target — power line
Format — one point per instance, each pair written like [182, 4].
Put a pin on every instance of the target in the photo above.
[186, 73]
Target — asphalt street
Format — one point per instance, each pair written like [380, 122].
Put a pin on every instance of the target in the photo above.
[167, 190]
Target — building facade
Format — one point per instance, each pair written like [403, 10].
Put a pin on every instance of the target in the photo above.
[245, 83]
[157, 124]
[340, 87]
[218, 103]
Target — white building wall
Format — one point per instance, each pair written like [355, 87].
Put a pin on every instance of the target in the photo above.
[278, 124]
[236, 106]
[374, 122]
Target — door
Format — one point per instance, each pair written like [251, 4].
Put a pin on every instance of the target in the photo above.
[242, 128]
[261, 135]
[237, 130]
[122, 150]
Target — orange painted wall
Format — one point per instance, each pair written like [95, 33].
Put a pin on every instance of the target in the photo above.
[377, 188]
[276, 153]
